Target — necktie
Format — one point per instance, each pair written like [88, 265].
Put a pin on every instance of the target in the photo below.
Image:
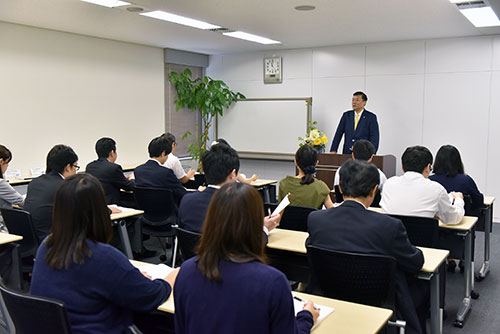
[356, 121]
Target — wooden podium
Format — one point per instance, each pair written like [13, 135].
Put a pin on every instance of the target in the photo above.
[329, 163]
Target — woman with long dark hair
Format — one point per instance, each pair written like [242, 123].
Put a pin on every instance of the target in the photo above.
[449, 172]
[8, 195]
[305, 189]
[227, 288]
[98, 285]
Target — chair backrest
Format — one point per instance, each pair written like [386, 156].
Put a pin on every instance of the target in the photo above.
[188, 241]
[32, 314]
[361, 278]
[158, 205]
[422, 231]
[338, 195]
[19, 222]
[295, 218]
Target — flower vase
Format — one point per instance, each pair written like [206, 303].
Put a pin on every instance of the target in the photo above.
[320, 150]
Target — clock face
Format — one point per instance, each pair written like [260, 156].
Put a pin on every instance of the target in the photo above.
[272, 70]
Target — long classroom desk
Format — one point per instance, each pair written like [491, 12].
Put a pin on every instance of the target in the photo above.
[265, 186]
[488, 226]
[118, 219]
[295, 242]
[465, 230]
[348, 318]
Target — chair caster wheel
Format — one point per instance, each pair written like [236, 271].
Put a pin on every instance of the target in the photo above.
[459, 324]
[474, 294]
[479, 278]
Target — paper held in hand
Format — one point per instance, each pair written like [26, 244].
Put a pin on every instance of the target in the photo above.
[156, 270]
[283, 204]
[324, 311]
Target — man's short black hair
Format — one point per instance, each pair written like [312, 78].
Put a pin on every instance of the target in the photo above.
[357, 178]
[363, 95]
[59, 157]
[219, 162]
[416, 158]
[363, 150]
[104, 146]
[158, 145]
[170, 137]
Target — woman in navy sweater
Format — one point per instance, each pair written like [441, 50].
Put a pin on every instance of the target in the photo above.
[97, 283]
[228, 288]
[449, 172]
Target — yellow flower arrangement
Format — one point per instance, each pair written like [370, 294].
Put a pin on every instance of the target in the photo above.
[314, 138]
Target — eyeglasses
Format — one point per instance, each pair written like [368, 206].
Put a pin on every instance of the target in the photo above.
[76, 167]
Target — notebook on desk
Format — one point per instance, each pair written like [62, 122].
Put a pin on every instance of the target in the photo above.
[324, 311]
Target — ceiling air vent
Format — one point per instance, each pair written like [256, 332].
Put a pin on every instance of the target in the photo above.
[221, 30]
[471, 4]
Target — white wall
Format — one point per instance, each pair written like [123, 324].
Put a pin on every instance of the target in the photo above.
[64, 88]
[432, 92]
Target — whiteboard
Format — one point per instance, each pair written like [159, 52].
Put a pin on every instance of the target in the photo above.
[265, 128]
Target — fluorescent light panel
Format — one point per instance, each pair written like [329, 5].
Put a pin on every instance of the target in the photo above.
[108, 3]
[481, 17]
[161, 15]
[250, 37]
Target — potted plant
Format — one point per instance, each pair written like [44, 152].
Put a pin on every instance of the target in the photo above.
[314, 138]
[209, 96]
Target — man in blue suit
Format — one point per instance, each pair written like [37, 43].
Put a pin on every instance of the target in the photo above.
[356, 124]
[153, 174]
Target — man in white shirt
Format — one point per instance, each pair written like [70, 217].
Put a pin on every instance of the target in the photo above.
[413, 194]
[174, 164]
[362, 150]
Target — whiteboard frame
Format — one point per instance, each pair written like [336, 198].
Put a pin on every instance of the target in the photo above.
[271, 155]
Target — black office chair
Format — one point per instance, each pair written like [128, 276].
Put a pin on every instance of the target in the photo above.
[361, 278]
[19, 222]
[422, 231]
[186, 241]
[31, 314]
[295, 218]
[480, 213]
[160, 213]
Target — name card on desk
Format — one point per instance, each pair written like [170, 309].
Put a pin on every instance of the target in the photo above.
[13, 174]
[37, 171]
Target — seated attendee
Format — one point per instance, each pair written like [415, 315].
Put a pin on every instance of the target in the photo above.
[362, 150]
[228, 288]
[220, 164]
[98, 285]
[239, 177]
[413, 194]
[8, 195]
[108, 172]
[351, 227]
[152, 174]
[174, 164]
[449, 172]
[305, 189]
[62, 162]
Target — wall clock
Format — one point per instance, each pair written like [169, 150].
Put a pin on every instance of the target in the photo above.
[273, 70]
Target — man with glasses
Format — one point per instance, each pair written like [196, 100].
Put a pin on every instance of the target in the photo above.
[62, 162]
[413, 194]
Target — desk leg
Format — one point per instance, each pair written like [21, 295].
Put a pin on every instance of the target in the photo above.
[466, 302]
[122, 231]
[436, 312]
[485, 268]
[267, 196]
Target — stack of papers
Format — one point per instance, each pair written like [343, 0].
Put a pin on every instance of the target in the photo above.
[156, 270]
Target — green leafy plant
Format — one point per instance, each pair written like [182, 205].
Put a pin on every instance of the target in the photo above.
[207, 95]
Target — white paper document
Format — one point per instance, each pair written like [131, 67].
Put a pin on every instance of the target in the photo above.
[156, 270]
[324, 311]
[283, 204]
[121, 208]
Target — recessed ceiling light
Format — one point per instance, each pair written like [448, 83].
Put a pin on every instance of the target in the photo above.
[305, 8]
[481, 17]
[108, 3]
[161, 15]
[251, 37]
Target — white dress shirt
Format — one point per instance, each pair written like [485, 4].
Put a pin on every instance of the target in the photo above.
[175, 165]
[414, 195]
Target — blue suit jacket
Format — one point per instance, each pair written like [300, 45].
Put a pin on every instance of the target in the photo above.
[152, 175]
[193, 209]
[352, 228]
[367, 129]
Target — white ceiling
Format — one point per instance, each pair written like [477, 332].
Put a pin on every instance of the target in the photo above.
[334, 22]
